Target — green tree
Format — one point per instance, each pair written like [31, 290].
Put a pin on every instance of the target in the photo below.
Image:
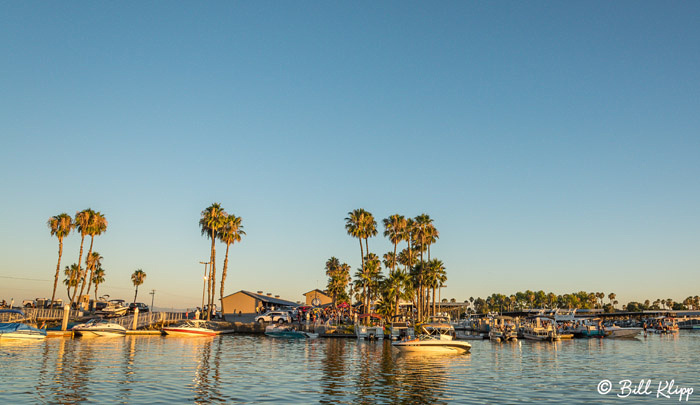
[72, 279]
[97, 225]
[98, 277]
[211, 221]
[231, 233]
[92, 261]
[394, 229]
[82, 223]
[60, 226]
[138, 277]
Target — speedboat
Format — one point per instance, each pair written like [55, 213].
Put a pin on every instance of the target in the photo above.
[15, 329]
[190, 327]
[663, 325]
[114, 308]
[283, 331]
[619, 332]
[433, 340]
[99, 327]
[503, 329]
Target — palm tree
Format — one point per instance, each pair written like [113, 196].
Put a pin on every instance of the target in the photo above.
[422, 222]
[60, 226]
[355, 226]
[432, 235]
[92, 261]
[138, 278]
[436, 276]
[97, 226]
[82, 223]
[211, 222]
[231, 233]
[98, 277]
[611, 297]
[72, 279]
[394, 229]
[396, 287]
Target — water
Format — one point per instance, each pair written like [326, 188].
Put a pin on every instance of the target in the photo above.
[255, 369]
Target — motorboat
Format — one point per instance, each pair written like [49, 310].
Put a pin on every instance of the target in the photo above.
[438, 325]
[16, 329]
[190, 327]
[374, 329]
[434, 339]
[588, 328]
[540, 330]
[615, 331]
[114, 308]
[99, 327]
[285, 331]
[662, 325]
[503, 329]
[401, 328]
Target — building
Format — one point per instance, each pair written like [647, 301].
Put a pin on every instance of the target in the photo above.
[319, 295]
[246, 303]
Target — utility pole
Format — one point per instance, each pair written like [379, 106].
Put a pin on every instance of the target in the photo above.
[205, 282]
[153, 294]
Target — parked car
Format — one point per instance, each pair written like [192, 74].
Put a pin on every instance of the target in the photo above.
[140, 305]
[274, 317]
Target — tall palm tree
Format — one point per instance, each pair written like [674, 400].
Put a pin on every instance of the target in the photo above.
[138, 277]
[422, 222]
[231, 232]
[60, 226]
[370, 228]
[98, 277]
[82, 223]
[355, 227]
[92, 261]
[395, 288]
[211, 222]
[431, 236]
[97, 225]
[394, 228]
[72, 279]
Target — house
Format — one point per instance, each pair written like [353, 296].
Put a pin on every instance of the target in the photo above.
[319, 295]
[246, 303]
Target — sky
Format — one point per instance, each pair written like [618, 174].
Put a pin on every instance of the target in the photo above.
[555, 145]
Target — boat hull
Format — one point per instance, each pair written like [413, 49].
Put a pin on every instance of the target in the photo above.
[440, 346]
[622, 333]
[99, 332]
[189, 332]
[16, 330]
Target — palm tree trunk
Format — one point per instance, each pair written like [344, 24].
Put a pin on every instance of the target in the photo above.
[92, 273]
[82, 288]
[136, 293]
[58, 269]
[80, 258]
[434, 301]
[393, 264]
[223, 278]
[212, 274]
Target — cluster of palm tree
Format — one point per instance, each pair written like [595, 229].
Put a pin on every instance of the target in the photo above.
[539, 299]
[420, 275]
[691, 302]
[216, 224]
[88, 223]
[338, 280]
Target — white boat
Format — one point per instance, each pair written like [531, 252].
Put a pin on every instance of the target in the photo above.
[114, 308]
[618, 332]
[283, 331]
[191, 327]
[662, 325]
[438, 325]
[433, 340]
[373, 331]
[401, 328]
[540, 330]
[503, 329]
[14, 328]
[99, 327]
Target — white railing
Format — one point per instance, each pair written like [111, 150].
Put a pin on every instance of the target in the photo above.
[44, 314]
[148, 318]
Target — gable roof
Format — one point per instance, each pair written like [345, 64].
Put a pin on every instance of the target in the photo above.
[265, 298]
[317, 291]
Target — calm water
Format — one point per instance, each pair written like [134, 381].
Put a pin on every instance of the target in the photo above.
[254, 369]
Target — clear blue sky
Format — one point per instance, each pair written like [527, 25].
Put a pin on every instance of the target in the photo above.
[556, 145]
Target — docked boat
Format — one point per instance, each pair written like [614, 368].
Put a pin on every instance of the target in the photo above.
[373, 330]
[436, 340]
[662, 325]
[190, 327]
[99, 327]
[615, 331]
[401, 328]
[13, 326]
[114, 308]
[503, 329]
[283, 331]
[540, 329]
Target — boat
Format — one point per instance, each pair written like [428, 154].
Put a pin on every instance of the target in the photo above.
[15, 328]
[373, 330]
[662, 325]
[190, 327]
[438, 325]
[503, 329]
[284, 331]
[99, 327]
[433, 339]
[615, 331]
[401, 328]
[540, 329]
[114, 308]
[689, 324]
[587, 328]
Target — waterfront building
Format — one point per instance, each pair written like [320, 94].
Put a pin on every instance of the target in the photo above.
[244, 303]
[317, 298]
